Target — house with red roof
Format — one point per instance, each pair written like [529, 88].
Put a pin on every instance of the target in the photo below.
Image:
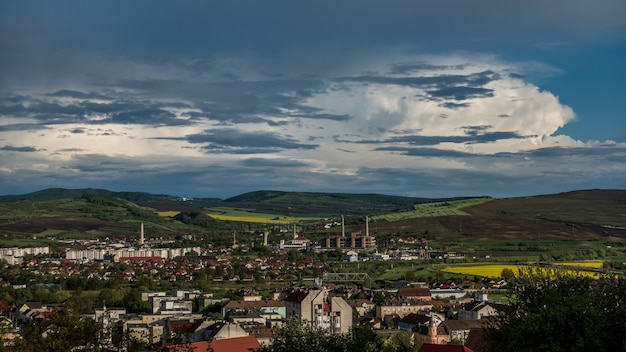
[417, 293]
[235, 344]
[427, 347]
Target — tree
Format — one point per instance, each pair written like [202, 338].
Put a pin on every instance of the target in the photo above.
[508, 275]
[379, 297]
[65, 332]
[296, 337]
[403, 342]
[365, 339]
[556, 310]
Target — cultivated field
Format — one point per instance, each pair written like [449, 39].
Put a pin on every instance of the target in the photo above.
[450, 208]
[249, 215]
[495, 270]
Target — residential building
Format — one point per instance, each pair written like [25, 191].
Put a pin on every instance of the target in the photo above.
[479, 310]
[265, 306]
[322, 311]
[460, 329]
[402, 308]
[443, 293]
[415, 293]
[237, 344]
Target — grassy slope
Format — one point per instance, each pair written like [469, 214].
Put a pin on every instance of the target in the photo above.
[92, 215]
[594, 214]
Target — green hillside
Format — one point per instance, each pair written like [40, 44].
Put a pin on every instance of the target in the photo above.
[60, 193]
[329, 203]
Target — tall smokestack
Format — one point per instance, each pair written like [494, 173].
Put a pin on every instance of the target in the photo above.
[343, 227]
[294, 231]
[367, 225]
[234, 238]
[141, 238]
[265, 238]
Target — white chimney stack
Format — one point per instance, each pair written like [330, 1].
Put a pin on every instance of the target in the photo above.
[343, 228]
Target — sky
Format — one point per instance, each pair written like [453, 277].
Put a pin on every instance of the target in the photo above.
[218, 98]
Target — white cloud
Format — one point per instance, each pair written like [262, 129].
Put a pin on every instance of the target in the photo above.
[445, 116]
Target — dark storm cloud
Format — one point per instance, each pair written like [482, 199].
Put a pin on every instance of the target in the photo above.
[421, 66]
[240, 101]
[220, 149]
[122, 111]
[198, 27]
[66, 93]
[426, 152]
[148, 116]
[517, 76]
[242, 62]
[10, 148]
[454, 106]
[270, 162]
[333, 117]
[440, 81]
[558, 155]
[23, 127]
[241, 139]
[97, 164]
[472, 136]
[599, 152]
[461, 93]
[225, 102]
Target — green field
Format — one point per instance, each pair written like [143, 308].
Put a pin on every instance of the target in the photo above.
[249, 215]
[431, 209]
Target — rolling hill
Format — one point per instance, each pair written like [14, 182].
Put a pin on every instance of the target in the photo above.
[590, 214]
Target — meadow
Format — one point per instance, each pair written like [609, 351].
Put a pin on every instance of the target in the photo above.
[249, 215]
[449, 208]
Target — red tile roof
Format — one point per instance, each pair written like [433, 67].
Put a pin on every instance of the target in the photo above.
[427, 347]
[236, 344]
[296, 296]
[414, 292]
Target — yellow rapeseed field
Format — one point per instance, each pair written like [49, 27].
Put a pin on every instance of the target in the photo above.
[492, 271]
[593, 264]
[169, 213]
[255, 219]
[495, 270]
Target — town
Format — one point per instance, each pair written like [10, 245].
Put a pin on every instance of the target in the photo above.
[99, 273]
[163, 296]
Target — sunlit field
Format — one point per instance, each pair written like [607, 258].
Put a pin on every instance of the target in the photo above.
[431, 209]
[491, 271]
[248, 215]
[593, 264]
[244, 215]
[170, 213]
[255, 219]
[494, 271]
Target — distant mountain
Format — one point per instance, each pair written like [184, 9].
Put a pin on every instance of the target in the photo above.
[337, 203]
[265, 200]
[62, 193]
[586, 214]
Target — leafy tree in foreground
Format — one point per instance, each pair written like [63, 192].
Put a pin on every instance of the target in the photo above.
[556, 310]
[296, 337]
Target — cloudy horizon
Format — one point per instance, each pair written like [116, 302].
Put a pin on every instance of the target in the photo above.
[207, 99]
